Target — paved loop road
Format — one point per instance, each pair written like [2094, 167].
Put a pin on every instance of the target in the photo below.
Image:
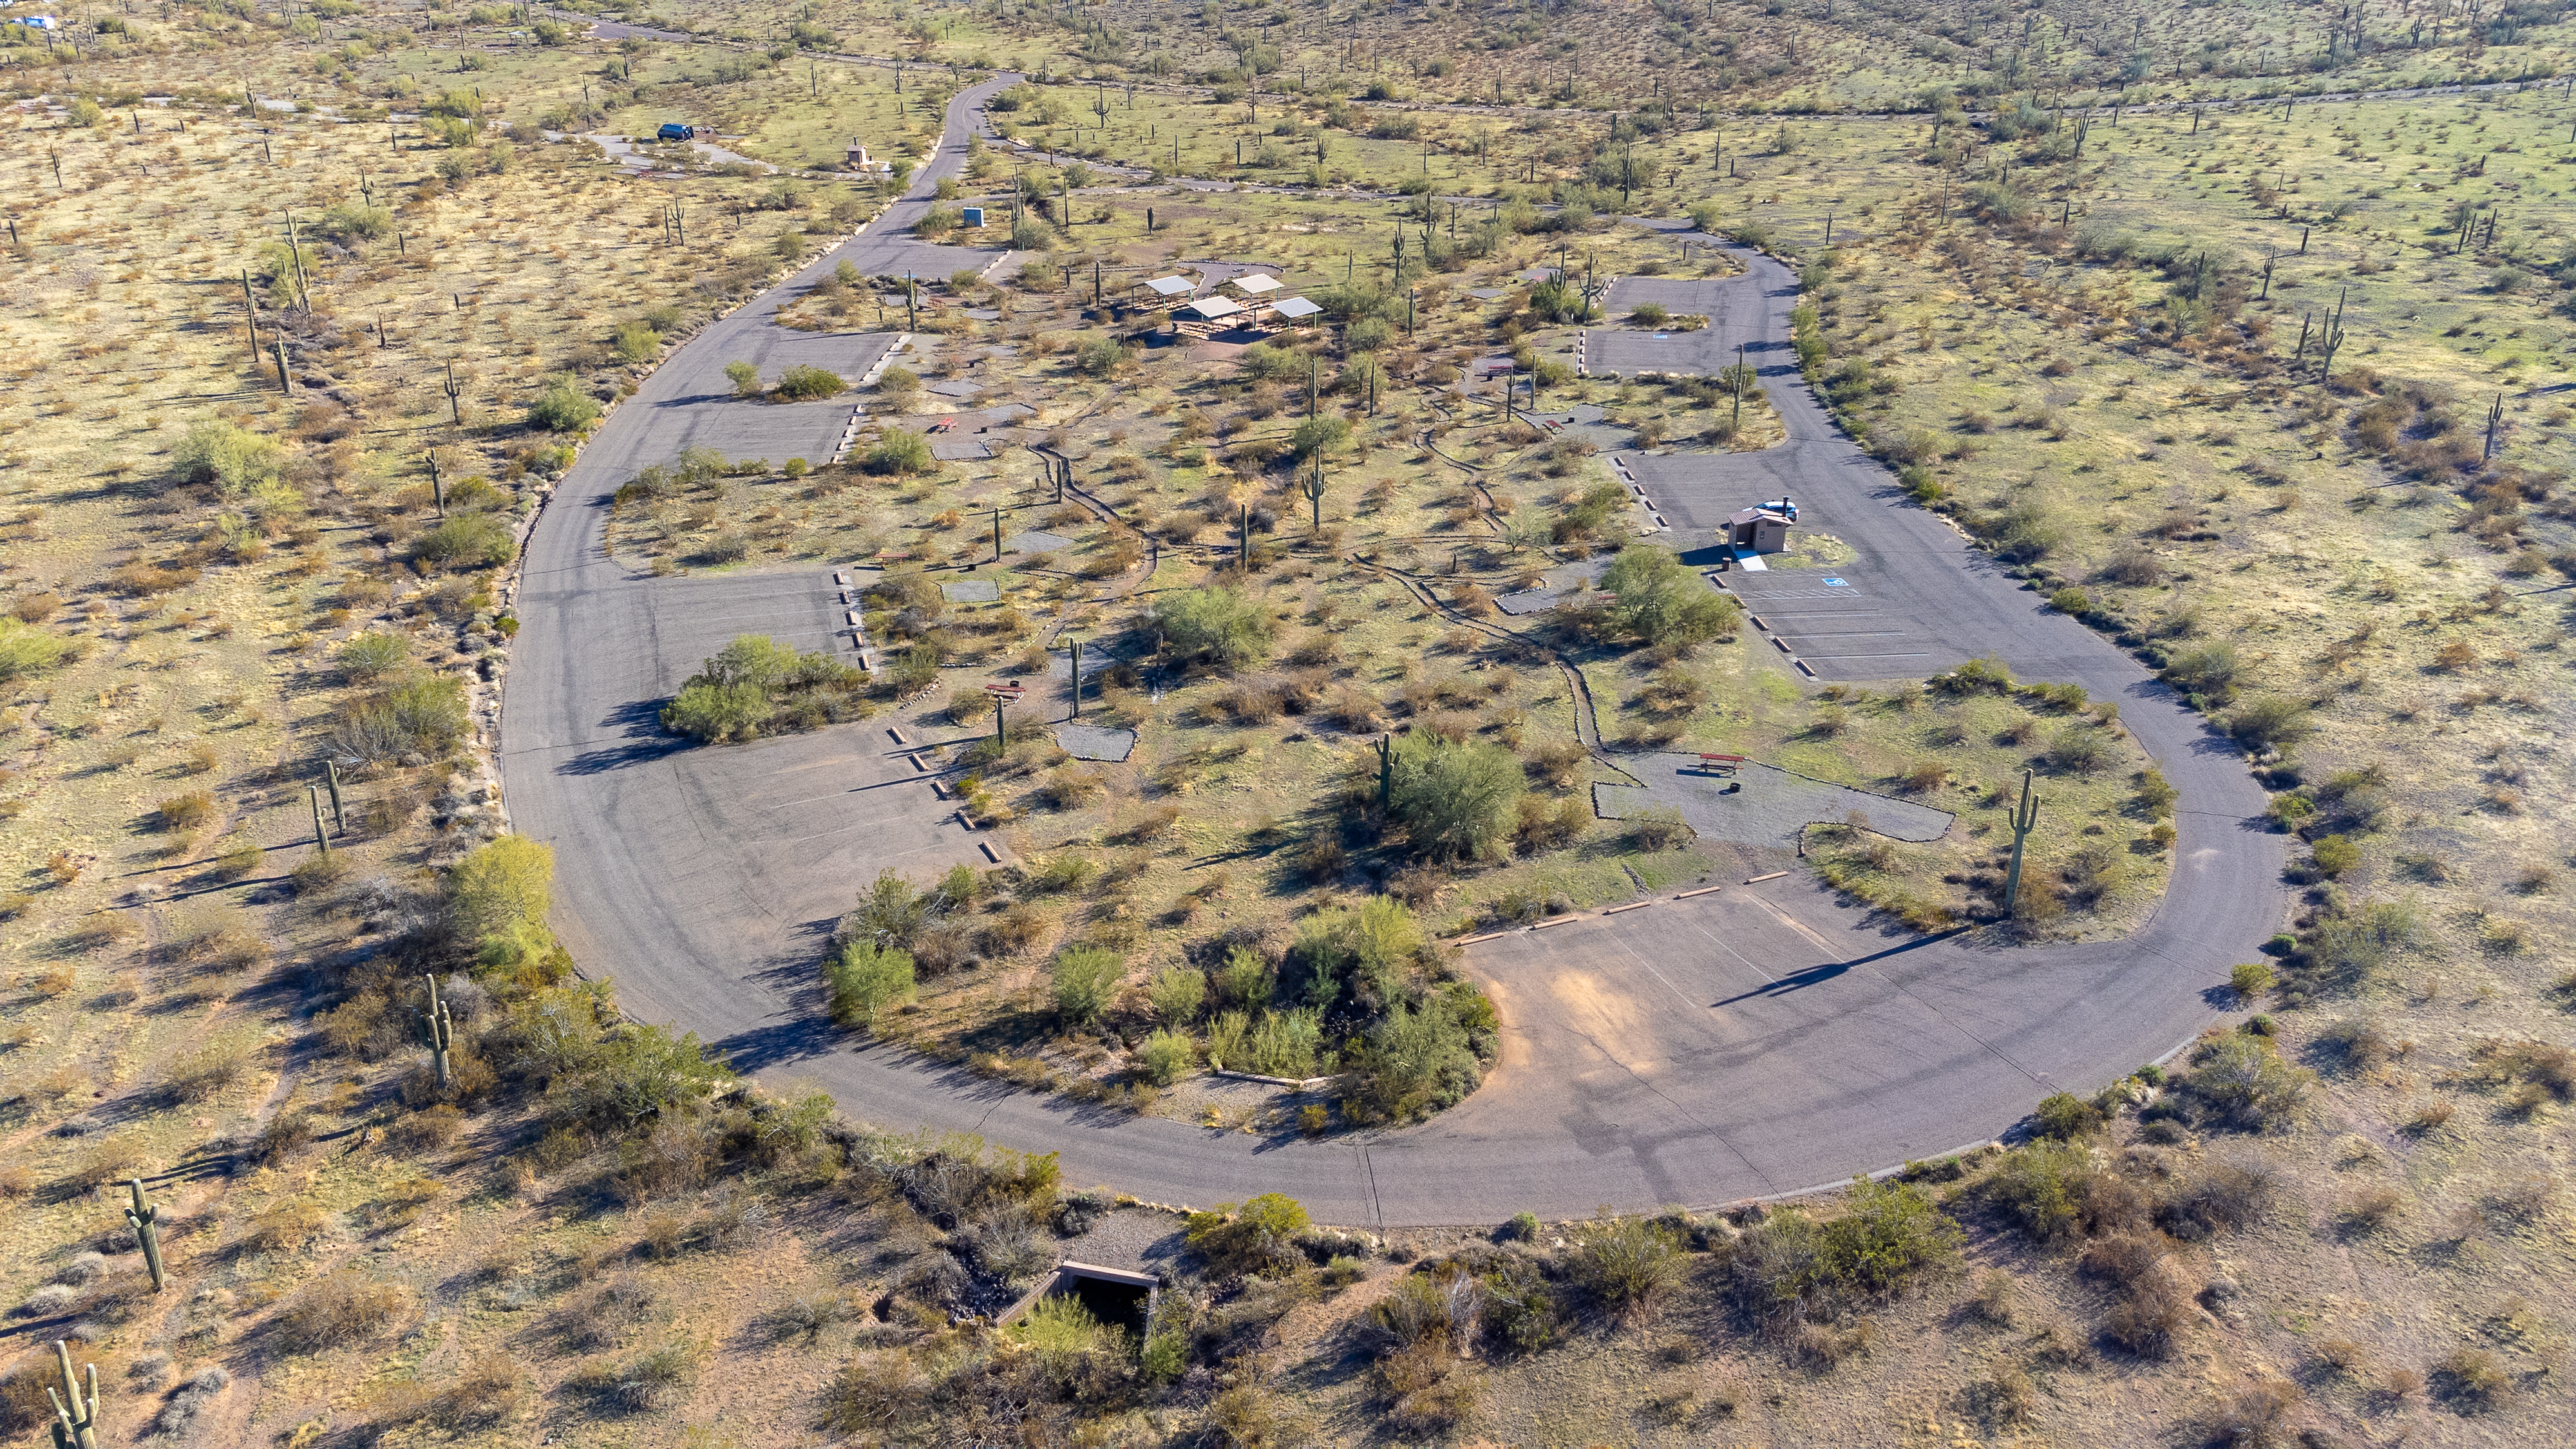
[1756, 1040]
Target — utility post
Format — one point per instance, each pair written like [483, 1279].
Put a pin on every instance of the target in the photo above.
[1076, 643]
[2023, 817]
[997, 533]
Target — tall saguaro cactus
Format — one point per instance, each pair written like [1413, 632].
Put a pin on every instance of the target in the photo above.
[146, 1222]
[2023, 817]
[75, 1424]
[441, 1029]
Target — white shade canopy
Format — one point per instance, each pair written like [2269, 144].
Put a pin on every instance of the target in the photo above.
[1257, 283]
[1293, 308]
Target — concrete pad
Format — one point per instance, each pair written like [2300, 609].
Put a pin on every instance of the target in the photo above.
[1095, 742]
[973, 591]
[1760, 804]
[1038, 541]
[948, 448]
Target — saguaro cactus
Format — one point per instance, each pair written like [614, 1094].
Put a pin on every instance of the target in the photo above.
[1313, 488]
[75, 1424]
[2023, 817]
[442, 1034]
[146, 1222]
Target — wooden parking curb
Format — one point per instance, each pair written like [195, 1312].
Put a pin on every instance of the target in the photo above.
[1702, 891]
[1759, 879]
[1559, 921]
[1631, 906]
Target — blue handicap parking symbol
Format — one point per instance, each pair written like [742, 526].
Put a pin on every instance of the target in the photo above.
[1836, 584]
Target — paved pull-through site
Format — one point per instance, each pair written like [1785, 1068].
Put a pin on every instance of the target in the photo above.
[1755, 1040]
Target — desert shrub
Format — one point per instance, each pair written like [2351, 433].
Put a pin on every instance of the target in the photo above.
[801, 383]
[232, 458]
[2269, 720]
[205, 1070]
[1367, 955]
[1662, 603]
[864, 979]
[340, 1308]
[1792, 1269]
[2238, 1081]
[2249, 980]
[755, 680]
[899, 451]
[424, 717]
[1168, 1055]
[2348, 947]
[476, 540]
[2065, 1116]
[653, 1379]
[2204, 669]
[1213, 625]
[498, 895]
[1420, 1059]
[1454, 798]
[2216, 1197]
[371, 657]
[186, 810]
[1178, 994]
[2473, 1380]
[1257, 1237]
[27, 650]
[1626, 1262]
[1083, 981]
[561, 406]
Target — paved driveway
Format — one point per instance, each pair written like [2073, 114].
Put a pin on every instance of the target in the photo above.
[1756, 1040]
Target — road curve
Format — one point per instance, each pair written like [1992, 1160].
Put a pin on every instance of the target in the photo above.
[1860, 1052]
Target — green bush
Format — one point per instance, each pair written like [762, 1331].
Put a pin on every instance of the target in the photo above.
[1663, 604]
[2249, 980]
[806, 384]
[2065, 1116]
[1420, 1059]
[1084, 980]
[234, 459]
[1454, 798]
[2269, 720]
[498, 895]
[467, 541]
[423, 716]
[2076, 749]
[1324, 433]
[2071, 601]
[717, 713]
[1178, 993]
[1100, 356]
[745, 377]
[2044, 1185]
[1794, 1269]
[865, 979]
[2238, 1081]
[1369, 954]
[898, 382]
[356, 221]
[1168, 1055]
[562, 407]
[636, 342]
[1262, 362]
[1627, 1263]
[899, 451]
[27, 650]
[1213, 625]
[2204, 669]
[2334, 855]
[1259, 1236]
[754, 680]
